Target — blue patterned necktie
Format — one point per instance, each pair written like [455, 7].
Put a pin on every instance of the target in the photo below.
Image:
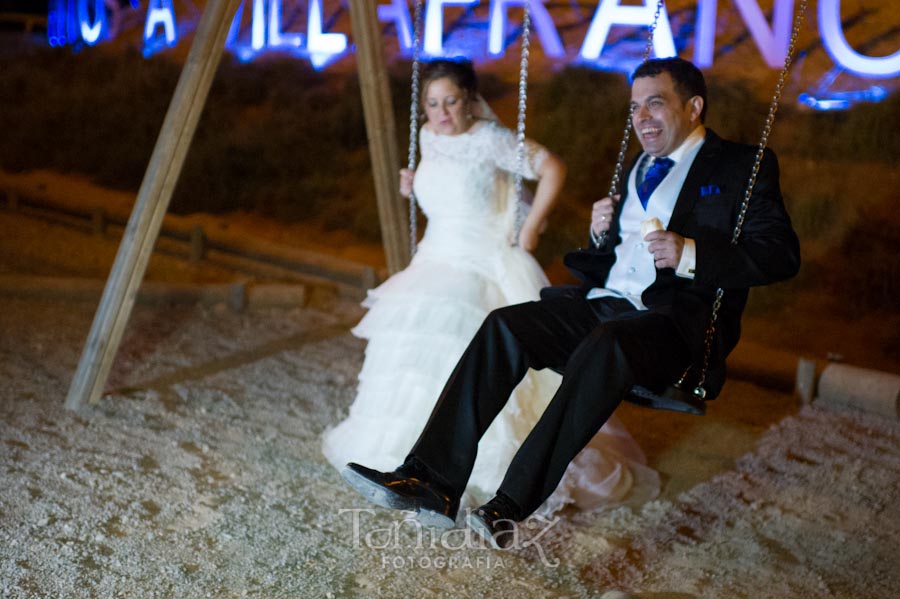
[657, 172]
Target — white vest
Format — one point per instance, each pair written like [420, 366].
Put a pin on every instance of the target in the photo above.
[633, 270]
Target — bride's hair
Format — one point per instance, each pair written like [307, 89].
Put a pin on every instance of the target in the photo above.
[459, 71]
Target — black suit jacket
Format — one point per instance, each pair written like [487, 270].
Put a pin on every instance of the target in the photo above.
[706, 211]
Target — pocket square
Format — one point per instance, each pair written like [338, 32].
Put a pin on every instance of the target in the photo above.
[709, 190]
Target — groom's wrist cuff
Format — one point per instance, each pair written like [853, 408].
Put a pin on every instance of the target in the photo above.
[688, 261]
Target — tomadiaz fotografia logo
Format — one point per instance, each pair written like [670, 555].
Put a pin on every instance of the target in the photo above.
[410, 538]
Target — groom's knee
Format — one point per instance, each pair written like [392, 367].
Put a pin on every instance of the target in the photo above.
[599, 350]
[506, 318]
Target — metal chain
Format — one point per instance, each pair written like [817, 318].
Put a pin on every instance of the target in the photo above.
[699, 391]
[414, 122]
[520, 121]
[770, 119]
[626, 134]
[649, 48]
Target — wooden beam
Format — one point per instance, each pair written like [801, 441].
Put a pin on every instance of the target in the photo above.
[376, 97]
[152, 202]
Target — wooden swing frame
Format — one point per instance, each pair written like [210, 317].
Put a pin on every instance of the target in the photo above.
[171, 148]
[167, 160]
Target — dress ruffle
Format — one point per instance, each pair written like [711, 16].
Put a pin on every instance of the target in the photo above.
[418, 324]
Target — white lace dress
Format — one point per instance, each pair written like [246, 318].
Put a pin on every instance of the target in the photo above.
[421, 320]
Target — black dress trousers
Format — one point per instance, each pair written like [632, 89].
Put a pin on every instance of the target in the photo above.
[601, 346]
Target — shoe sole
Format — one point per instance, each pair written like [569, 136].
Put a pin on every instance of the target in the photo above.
[382, 497]
[480, 527]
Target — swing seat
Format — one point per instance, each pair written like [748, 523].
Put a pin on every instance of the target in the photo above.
[672, 398]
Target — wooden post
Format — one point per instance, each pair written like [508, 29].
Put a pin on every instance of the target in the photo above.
[151, 205]
[379, 114]
[98, 221]
[369, 278]
[198, 244]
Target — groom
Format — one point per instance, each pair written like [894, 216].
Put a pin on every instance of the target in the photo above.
[639, 317]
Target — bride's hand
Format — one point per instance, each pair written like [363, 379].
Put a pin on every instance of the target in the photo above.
[528, 237]
[602, 213]
[406, 182]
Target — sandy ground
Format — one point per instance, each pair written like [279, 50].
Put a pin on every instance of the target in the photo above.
[199, 472]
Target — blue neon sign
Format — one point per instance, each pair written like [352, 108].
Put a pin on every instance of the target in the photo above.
[92, 26]
[160, 14]
[75, 22]
[843, 54]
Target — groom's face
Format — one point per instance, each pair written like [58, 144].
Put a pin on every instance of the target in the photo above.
[661, 118]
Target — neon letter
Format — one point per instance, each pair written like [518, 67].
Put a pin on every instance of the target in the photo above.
[434, 24]
[91, 32]
[73, 31]
[705, 38]
[258, 25]
[277, 38]
[840, 51]
[321, 46]
[772, 43]
[235, 28]
[398, 12]
[160, 12]
[543, 26]
[56, 22]
[243, 52]
[609, 12]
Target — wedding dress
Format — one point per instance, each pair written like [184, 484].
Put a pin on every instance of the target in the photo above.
[421, 320]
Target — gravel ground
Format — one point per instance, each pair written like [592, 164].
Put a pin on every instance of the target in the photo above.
[199, 474]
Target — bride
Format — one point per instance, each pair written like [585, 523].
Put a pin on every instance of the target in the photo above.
[421, 319]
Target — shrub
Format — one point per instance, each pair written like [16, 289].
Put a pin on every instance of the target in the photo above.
[281, 139]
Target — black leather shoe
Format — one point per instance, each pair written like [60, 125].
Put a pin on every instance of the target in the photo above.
[399, 490]
[495, 521]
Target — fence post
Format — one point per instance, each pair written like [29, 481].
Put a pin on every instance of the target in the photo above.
[12, 201]
[98, 221]
[198, 244]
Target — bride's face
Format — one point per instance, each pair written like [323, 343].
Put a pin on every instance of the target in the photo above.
[446, 107]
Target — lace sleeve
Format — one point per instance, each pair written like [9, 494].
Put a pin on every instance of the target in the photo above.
[503, 146]
[426, 143]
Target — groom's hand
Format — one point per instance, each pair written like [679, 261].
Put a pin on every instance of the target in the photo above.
[666, 248]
